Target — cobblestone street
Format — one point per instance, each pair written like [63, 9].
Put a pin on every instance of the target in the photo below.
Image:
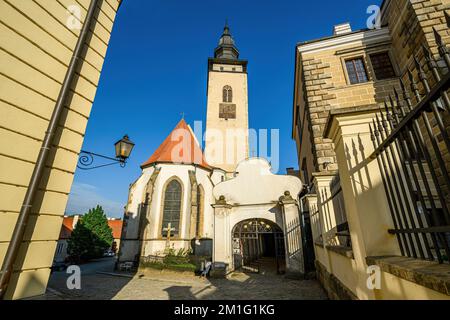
[237, 286]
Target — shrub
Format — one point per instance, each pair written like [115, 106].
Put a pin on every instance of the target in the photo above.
[91, 236]
[173, 260]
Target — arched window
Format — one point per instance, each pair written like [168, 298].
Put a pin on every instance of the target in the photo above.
[227, 94]
[171, 210]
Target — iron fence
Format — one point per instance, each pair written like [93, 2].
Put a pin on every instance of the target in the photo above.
[336, 232]
[412, 148]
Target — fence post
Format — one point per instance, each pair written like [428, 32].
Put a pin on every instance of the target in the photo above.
[292, 236]
[364, 195]
[327, 214]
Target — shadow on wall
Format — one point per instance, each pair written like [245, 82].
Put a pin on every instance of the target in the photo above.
[358, 164]
[27, 284]
[293, 241]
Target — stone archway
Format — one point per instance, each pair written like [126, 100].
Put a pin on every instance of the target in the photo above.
[258, 246]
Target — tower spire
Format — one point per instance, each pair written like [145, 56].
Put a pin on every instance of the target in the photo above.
[226, 48]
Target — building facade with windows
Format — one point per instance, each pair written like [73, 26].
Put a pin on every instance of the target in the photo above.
[371, 122]
[49, 73]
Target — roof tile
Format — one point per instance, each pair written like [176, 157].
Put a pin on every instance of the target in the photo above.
[180, 146]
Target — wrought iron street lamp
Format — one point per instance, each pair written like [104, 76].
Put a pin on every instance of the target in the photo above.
[123, 149]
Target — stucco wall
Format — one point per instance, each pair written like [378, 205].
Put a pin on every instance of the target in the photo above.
[153, 242]
[258, 193]
[35, 49]
[238, 82]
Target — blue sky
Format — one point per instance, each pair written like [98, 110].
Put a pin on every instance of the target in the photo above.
[156, 68]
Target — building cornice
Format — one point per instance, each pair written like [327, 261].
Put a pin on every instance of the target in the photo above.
[243, 63]
[367, 36]
[327, 133]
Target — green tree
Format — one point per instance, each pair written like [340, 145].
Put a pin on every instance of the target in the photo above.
[91, 236]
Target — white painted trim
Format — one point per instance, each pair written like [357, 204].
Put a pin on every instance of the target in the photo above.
[195, 137]
[369, 36]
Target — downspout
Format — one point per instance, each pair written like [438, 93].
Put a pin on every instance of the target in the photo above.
[19, 230]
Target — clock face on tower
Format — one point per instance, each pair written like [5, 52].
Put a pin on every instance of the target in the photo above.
[227, 111]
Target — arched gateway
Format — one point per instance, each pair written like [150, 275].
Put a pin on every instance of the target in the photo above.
[257, 242]
[255, 221]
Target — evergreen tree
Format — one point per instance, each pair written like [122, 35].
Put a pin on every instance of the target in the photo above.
[79, 243]
[91, 236]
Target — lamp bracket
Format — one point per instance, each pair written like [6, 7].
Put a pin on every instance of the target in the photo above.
[87, 158]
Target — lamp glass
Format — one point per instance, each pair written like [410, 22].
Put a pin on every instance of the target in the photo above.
[123, 147]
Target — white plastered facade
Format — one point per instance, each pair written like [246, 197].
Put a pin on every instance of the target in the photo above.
[255, 193]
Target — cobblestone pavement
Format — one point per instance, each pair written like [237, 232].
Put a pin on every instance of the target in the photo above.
[236, 287]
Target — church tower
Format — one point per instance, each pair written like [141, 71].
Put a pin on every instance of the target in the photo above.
[226, 139]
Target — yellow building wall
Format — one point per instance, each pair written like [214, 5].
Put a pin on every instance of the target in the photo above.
[35, 50]
[325, 87]
[395, 288]
[368, 218]
[354, 277]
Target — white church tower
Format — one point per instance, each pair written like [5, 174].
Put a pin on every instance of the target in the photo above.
[184, 201]
[227, 107]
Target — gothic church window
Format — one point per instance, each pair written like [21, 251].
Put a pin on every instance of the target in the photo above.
[227, 94]
[171, 209]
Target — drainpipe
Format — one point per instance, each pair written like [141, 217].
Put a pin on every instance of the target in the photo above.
[19, 230]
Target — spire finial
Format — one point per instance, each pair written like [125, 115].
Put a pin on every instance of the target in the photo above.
[226, 28]
[226, 48]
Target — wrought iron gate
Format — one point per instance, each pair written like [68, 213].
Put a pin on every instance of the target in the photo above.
[248, 242]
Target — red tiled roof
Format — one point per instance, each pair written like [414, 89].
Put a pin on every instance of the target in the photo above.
[116, 226]
[66, 228]
[180, 146]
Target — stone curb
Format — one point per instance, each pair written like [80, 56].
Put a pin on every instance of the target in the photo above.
[113, 274]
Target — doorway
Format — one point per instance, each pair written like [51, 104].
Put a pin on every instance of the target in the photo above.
[258, 246]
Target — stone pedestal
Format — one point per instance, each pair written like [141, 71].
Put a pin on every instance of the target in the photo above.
[222, 237]
[326, 210]
[292, 236]
[366, 203]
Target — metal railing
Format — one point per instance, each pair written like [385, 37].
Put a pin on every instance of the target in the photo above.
[412, 148]
[339, 235]
[342, 230]
[316, 226]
